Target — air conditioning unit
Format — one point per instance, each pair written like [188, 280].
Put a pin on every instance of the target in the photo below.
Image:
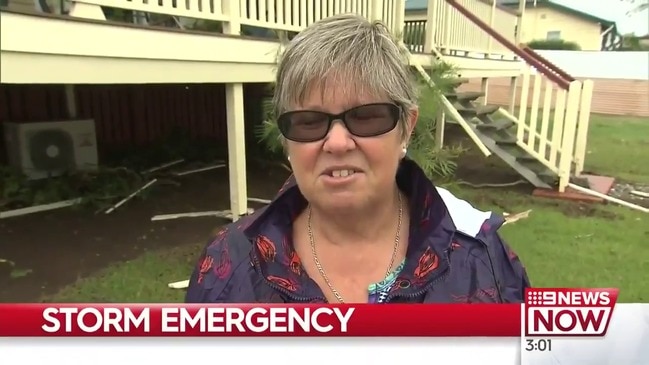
[45, 149]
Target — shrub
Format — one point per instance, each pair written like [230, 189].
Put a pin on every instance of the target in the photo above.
[554, 44]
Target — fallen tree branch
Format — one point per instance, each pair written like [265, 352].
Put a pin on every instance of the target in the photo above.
[494, 185]
[258, 200]
[163, 166]
[39, 208]
[183, 284]
[641, 194]
[609, 198]
[212, 213]
[511, 218]
[123, 201]
[207, 168]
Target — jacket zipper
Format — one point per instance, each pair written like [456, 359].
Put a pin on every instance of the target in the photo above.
[283, 290]
[442, 276]
[497, 282]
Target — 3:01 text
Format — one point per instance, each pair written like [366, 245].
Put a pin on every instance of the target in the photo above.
[541, 344]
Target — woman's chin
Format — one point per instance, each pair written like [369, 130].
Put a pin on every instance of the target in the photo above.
[341, 201]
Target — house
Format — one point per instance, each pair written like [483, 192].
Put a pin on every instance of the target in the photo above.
[143, 66]
[548, 20]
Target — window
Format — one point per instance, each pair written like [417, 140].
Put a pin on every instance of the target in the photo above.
[553, 35]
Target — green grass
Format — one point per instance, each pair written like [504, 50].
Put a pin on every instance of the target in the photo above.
[619, 146]
[142, 280]
[565, 244]
[562, 244]
[568, 244]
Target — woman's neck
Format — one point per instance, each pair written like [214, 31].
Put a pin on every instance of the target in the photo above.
[372, 224]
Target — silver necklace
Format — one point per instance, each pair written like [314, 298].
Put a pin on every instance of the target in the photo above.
[318, 265]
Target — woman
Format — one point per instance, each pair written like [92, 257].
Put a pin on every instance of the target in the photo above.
[357, 221]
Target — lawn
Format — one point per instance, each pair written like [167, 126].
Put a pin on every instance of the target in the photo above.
[562, 244]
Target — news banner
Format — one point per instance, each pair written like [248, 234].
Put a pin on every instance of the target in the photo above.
[553, 326]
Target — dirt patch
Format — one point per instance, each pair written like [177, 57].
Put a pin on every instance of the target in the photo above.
[625, 191]
[578, 209]
[478, 171]
[63, 245]
[488, 173]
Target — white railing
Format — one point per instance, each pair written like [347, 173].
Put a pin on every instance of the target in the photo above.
[554, 132]
[552, 123]
[450, 32]
[287, 15]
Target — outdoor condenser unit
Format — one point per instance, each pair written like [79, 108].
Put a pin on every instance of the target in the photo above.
[46, 149]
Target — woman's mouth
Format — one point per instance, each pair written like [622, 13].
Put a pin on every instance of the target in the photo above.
[341, 173]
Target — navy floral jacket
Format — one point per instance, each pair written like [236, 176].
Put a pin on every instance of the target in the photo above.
[455, 254]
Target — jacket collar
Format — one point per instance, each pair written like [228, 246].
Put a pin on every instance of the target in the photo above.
[431, 232]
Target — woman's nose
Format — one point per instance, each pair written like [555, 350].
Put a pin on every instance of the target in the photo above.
[338, 139]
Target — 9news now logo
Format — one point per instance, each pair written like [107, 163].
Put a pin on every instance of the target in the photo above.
[568, 312]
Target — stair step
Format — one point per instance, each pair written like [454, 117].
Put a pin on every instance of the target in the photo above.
[549, 177]
[525, 158]
[470, 110]
[549, 174]
[465, 95]
[508, 155]
[498, 125]
[487, 119]
[508, 140]
[457, 81]
[532, 164]
[487, 109]
[542, 172]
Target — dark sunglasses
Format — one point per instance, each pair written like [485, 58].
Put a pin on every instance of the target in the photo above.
[368, 120]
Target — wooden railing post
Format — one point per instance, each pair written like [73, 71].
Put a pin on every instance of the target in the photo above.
[232, 11]
[440, 125]
[568, 143]
[513, 85]
[429, 26]
[582, 127]
[519, 23]
[399, 18]
[80, 9]
[484, 87]
[492, 17]
[377, 10]
[446, 35]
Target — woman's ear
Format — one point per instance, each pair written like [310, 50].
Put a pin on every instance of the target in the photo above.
[411, 122]
[413, 115]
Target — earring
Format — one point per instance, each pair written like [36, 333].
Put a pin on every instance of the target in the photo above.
[288, 158]
[404, 152]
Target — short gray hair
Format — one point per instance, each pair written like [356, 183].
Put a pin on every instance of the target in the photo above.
[345, 47]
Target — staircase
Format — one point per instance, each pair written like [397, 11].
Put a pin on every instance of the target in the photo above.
[545, 143]
[498, 134]
[495, 133]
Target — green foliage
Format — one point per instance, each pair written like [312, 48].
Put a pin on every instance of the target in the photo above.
[554, 44]
[436, 162]
[122, 173]
[95, 188]
[632, 43]
[268, 133]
